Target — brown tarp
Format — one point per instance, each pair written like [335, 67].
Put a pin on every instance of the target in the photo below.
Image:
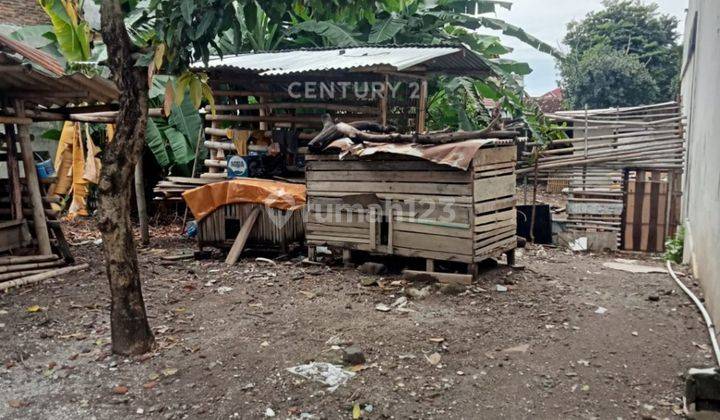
[279, 195]
[458, 154]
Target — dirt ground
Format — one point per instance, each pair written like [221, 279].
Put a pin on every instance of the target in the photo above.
[225, 337]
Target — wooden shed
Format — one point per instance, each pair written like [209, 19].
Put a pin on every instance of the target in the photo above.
[410, 206]
[34, 87]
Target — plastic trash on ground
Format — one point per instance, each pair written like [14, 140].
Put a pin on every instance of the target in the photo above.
[326, 373]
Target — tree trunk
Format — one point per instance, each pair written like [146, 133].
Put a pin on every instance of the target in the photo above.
[131, 332]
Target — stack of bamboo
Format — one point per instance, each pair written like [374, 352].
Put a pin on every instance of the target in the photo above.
[21, 270]
[647, 136]
[274, 109]
[602, 144]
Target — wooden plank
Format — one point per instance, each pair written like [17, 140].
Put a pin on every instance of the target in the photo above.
[653, 208]
[436, 255]
[440, 199]
[638, 193]
[337, 240]
[422, 241]
[457, 177]
[490, 155]
[444, 278]
[350, 220]
[315, 228]
[373, 229]
[376, 165]
[389, 187]
[496, 248]
[430, 229]
[242, 237]
[495, 173]
[494, 205]
[494, 236]
[645, 220]
[600, 208]
[446, 212]
[496, 225]
[486, 189]
[496, 217]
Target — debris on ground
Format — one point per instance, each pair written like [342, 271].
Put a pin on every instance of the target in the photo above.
[632, 266]
[326, 373]
[353, 355]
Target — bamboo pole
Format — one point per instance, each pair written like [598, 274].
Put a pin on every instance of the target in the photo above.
[29, 266]
[36, 278]
[13, 259]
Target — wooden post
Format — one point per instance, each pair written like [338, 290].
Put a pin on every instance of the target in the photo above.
[33, 185]
[141, 203]
[13, 170]
[242, 237]
[384, 102]
[422, 105]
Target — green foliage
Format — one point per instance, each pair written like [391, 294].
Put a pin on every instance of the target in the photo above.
[173, 141]
[72, 33]
[674, 247]
[634, 29]
[603, 78]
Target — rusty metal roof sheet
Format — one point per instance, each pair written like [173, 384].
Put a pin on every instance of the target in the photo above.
[420, 59]
[36, 76]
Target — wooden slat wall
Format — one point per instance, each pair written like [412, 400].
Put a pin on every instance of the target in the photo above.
[283, 228]
[652, 210]
[494, 201]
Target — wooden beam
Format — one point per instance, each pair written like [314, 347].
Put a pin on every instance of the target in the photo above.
[445, 278]
[15, 120]
[242, 237]
[13, 170]
[40, 222]
[422, 106]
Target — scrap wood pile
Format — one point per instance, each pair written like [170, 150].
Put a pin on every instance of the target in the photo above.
[22, 270]
[369, 131]
[172, 187]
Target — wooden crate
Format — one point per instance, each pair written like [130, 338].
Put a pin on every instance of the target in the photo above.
[399, 205]
[273, 227]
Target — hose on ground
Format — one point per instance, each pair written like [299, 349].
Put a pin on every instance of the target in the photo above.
[703, 311]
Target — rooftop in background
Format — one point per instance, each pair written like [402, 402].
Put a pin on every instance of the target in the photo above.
[551, 101]
[22, 12]
[37, 77]
[413, 59]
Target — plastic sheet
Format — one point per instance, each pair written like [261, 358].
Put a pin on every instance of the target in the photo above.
[279, 195]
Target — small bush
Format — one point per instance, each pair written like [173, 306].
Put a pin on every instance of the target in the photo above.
[674, 246]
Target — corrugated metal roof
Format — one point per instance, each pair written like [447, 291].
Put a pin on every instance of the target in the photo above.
[392, 58]
[34, 75]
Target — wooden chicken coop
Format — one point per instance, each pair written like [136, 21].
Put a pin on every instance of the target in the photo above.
[221, 227]
[409, 206]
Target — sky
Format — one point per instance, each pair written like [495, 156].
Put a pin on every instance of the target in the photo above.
[547, 20]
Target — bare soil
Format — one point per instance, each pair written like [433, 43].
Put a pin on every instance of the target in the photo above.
[226, 335]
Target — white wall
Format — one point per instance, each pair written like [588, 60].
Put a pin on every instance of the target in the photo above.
[701, 103]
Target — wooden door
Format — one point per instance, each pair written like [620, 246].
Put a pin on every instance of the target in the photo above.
[651, 208]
